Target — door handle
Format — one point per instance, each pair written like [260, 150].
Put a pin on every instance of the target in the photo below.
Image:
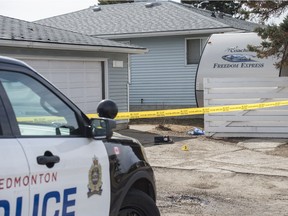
[48, 159]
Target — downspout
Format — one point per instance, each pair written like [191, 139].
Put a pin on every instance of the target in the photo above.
[103, 80]
[129, 83]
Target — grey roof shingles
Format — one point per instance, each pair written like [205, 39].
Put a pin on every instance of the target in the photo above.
[228, 20]
[19, 30]
[131, 18]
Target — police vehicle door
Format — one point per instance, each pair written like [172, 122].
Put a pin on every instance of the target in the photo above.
[14, 172]
[69, 173]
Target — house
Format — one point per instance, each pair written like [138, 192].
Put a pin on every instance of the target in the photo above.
[175, 35]
[86, 69]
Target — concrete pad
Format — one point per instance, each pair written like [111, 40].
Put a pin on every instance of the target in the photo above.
[215, 157]
[142, 127]
[247, 161]
[262, 144]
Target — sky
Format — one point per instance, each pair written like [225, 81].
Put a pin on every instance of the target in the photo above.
[31, 10]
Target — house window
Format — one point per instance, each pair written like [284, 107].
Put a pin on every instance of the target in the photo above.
[194, 48]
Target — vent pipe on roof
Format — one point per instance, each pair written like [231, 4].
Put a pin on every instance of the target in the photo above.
[221, 15]
[96, 8]
[152, 4]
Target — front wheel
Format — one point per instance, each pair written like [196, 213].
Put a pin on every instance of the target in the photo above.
[138, 203]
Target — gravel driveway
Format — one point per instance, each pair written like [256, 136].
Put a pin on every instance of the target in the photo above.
[217, 177]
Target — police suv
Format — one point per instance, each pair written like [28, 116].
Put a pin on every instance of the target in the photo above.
[54, 161]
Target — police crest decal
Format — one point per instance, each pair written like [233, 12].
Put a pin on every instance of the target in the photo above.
[95, 178]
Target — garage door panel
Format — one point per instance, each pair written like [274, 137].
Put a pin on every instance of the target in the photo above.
[41, 64]
[91, 92]
[58, 77]
[82, 95]
[91, 85]
[76, 64]
[77, 92]
[60, 85]
[92, 106]
[81, 81]
[76, 82]
[58, 65]
[77, 85]
[92, 65]
[90, 77]
[78, 100]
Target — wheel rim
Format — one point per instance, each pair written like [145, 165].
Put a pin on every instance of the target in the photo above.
[130, 211]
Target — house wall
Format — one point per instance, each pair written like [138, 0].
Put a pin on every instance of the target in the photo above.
[161, 79]
[117, 77]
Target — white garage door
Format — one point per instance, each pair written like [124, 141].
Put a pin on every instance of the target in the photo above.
[79, 80]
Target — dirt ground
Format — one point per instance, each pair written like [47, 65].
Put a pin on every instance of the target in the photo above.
[218, 177]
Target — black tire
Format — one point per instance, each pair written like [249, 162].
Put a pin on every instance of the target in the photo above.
[138, 203]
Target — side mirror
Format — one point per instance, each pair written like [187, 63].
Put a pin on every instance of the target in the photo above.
[102, 128]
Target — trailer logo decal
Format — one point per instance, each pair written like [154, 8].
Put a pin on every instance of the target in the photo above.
[238, 65]
[239, 58]
[95, 178]
[236, 49]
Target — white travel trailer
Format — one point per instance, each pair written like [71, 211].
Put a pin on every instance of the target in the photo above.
[226, 55]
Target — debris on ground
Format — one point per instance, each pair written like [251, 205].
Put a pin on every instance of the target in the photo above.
[162, 139]
[188, 199]
[163, 127]
[196, 131]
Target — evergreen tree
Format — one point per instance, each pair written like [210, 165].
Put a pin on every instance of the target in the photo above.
[275, 40]
[227, 7]
[264, 9]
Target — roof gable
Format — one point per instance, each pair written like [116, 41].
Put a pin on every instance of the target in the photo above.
[128, 18]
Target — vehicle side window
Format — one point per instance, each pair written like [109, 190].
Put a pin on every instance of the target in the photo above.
[38, 111]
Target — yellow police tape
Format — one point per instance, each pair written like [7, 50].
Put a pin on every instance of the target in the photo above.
[194, 111]
[162, 113]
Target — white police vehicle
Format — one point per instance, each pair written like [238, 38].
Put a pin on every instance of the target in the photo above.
[54, 161]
